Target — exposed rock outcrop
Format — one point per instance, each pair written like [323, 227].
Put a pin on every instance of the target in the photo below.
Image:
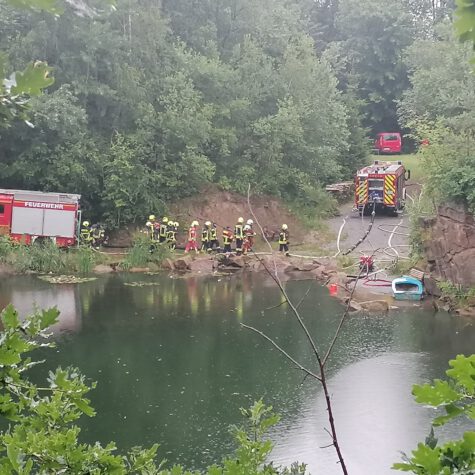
[449, 245]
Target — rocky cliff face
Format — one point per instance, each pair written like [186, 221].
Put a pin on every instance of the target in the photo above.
[450, 245]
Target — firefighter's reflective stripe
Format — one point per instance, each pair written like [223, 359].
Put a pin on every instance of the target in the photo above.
[362, 192]
[389, 189]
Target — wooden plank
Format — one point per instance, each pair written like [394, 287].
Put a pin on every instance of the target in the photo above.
[417, 274]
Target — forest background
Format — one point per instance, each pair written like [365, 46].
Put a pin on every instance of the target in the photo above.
[153, 100]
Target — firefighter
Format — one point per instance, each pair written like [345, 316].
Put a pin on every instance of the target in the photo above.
[248, 239]
[98, 234]
[152, 226]
[191, 244]
[227, 239]
[249, 234]
[239, 235]
[162, 233]
[86, 237]
[205, 237]
[213, 238]
[284, 240]
[171, 234]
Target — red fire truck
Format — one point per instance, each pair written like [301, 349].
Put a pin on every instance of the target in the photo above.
[35, 216]
[381, 186]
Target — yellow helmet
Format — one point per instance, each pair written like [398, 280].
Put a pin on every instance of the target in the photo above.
[195, 223]
[151, 217]
[284, 227]
[241, 220]
[85, 223]
[164, 219]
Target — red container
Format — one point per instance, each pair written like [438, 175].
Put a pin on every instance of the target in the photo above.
[333, 288]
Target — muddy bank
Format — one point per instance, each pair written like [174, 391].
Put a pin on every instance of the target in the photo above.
[325, 271]
[224, 208]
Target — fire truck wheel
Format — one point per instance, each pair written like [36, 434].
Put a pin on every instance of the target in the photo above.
[392, 212]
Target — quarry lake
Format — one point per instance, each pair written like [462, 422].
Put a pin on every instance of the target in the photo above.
[173, 365]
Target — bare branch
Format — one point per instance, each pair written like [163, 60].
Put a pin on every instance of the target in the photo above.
[343, 318]
[294, 308]
[279, 282]
[299, 366]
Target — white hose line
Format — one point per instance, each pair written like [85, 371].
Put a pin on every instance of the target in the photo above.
[339, 236]
[391, 238]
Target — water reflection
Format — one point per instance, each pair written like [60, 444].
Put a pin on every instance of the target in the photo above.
[65, 297]
[174, 365]
[374, 412]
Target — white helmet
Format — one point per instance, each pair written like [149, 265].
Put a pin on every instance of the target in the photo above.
[208, 223]
[195, 223]
[250, 222]
[247, 227]
[148, 224]
[284, 227]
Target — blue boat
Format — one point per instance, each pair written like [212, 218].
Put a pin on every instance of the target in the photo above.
[407, 288]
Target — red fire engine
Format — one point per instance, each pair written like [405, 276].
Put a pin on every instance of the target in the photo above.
[381, 186]
[30, 216]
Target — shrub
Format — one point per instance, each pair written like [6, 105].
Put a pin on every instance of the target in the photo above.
[143, 252]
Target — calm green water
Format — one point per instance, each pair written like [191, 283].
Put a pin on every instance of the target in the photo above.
[174, 365]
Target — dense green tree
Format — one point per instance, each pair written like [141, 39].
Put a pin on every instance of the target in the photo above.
[165, 98]
[374, 35]
[442, 63]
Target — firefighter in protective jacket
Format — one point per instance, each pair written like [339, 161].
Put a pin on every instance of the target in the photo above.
[227, 239]
[152, 228]
[162, 234]
[249, 235]
[171, 234]
[239, 235]
[213, 238]
[191, 244]
[86, 236]
[98, 234]
[284, 239]
[205, 237]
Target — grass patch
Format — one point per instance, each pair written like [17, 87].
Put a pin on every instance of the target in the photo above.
[456, 293]
[346, 262]
[47, 257]
[141, 253]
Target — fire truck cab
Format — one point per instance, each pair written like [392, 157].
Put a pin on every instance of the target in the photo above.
[381, 187]
[35, 216]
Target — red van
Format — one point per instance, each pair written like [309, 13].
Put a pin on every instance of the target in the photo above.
[388, 142]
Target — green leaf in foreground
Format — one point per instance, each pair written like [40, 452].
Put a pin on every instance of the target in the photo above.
[49, 6]
[456, 396]
[32, 80]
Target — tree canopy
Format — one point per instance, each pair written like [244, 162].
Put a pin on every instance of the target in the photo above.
[152, 101]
